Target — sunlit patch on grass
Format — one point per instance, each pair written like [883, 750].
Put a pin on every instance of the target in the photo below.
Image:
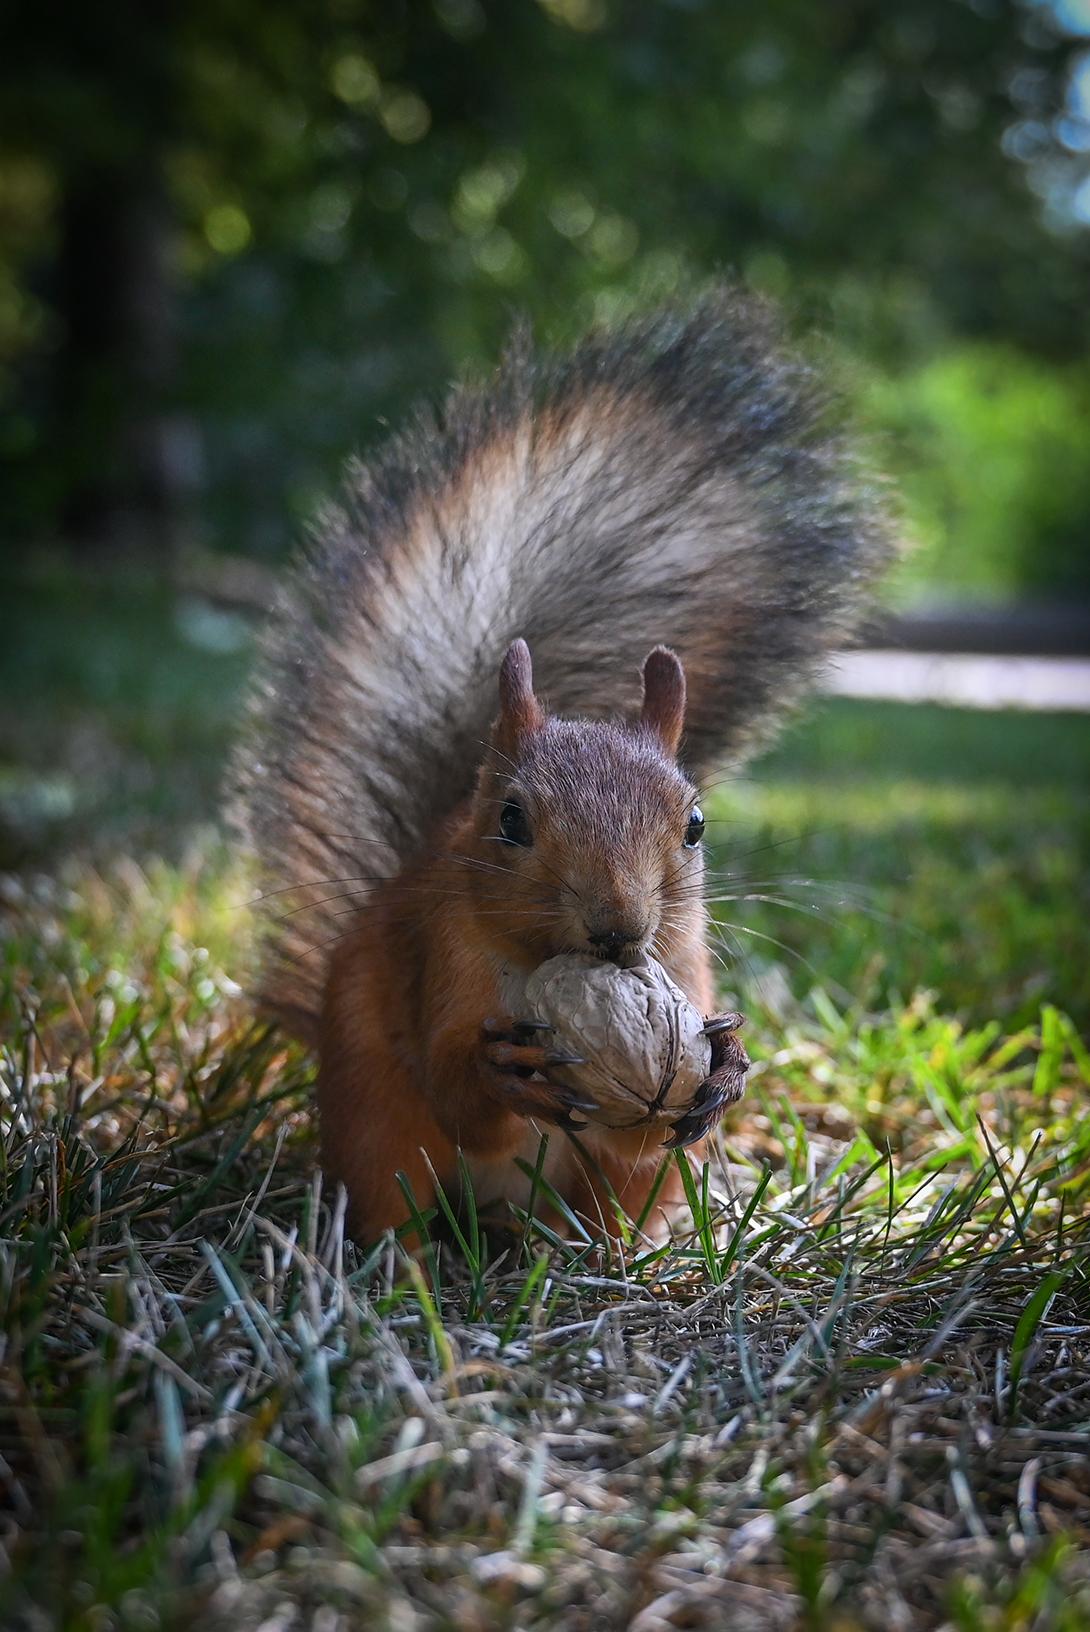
[875, 887]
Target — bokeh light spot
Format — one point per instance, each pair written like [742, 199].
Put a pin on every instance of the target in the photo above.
[572, 214]
[612, 240]
[499, 255]
[354, 80]
[405, 116]
[585, 16]
[227, 229]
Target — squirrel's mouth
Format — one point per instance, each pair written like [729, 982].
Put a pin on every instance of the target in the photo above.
[625, 954]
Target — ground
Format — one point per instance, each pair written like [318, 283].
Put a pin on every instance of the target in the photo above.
[855, 1393]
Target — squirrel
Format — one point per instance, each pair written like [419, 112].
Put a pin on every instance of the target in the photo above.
[669, 528]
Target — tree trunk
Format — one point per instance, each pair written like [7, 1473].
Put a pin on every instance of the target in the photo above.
[116, 295]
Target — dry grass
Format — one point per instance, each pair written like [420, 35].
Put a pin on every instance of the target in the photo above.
[855, 1393]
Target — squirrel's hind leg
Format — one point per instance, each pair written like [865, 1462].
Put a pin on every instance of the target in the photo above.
[367, 1139]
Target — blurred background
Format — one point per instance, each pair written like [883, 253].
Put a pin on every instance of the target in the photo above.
[238, 239]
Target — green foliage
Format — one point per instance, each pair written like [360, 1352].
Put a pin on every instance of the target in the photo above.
[992, 450]
[354, 196]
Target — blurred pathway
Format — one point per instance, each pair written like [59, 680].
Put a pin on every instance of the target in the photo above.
[1044, 683]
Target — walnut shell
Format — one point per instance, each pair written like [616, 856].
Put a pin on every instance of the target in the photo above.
[641, 1037]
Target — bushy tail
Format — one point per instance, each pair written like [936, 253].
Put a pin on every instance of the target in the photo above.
[677, 481]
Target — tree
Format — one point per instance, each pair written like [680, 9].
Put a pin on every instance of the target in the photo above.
[275, 221]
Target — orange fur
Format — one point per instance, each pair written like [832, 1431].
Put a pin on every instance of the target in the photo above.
[408, 1076]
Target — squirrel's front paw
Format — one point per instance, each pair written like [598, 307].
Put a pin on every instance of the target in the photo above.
[724, 1085]
[519, 1071]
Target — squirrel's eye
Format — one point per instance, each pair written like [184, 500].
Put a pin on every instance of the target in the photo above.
[695, 830]
[513, 824]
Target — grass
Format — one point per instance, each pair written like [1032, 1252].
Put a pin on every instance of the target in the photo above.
[853, 1392]
[113, 723]
[916, 847]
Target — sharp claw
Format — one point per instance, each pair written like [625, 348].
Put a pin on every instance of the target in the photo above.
[685, 1132]
[502, 1029]
[723, 1022]
[564, 1059]
[569, 1122]
[705, 1112]
[676, 1140]
[578, 1104]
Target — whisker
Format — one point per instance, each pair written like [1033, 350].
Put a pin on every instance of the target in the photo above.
[325, 884]
[761, 935]
[732, 955]
[504, 912]
[490, 748]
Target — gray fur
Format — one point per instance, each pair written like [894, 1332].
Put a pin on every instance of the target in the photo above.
[677, 481]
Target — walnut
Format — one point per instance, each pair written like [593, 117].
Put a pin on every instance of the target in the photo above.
[641, 1037]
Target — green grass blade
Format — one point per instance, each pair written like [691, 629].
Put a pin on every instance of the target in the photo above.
[737, 1235]
[526, 1292]
[419, 1223]
[653, 1194]
[702, 1221]
[1046, 1075]
[555, 1199]
[1026, 1330]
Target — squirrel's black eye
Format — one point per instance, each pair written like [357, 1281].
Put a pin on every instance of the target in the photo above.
[695, 830]
[513, 824]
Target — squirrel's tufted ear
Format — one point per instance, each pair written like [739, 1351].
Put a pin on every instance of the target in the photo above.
[663, 708]
[520, 711]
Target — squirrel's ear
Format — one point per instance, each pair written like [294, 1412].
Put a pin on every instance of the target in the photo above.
[520, 711]
[663, 709]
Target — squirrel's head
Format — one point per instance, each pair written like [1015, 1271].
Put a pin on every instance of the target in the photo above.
[586, 834]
